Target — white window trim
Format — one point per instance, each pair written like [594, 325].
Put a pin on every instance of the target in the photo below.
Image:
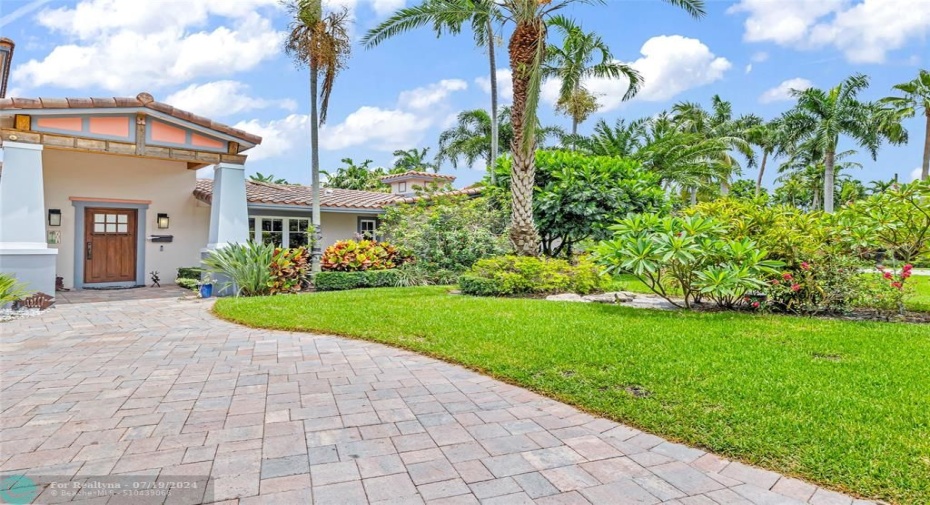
[285, 232]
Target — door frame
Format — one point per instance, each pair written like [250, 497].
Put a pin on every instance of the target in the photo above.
[80, 206]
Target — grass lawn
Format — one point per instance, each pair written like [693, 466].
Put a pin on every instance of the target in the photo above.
[841, 403]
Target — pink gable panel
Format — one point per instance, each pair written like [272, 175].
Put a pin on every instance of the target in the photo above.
[162, 132]
[113, 126]
[202, 141]
[60, 123]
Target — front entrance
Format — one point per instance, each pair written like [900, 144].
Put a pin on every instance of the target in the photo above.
[109, 245]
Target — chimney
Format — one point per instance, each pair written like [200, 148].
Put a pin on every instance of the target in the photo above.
[6, 59]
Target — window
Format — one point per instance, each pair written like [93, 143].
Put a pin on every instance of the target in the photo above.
[273, 231]
[298, 232]
[368, 228]
[402, 187]
[111, 223]
[281, 231]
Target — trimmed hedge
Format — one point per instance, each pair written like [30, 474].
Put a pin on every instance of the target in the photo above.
[337, 281]
[520, 275]
[190, 272]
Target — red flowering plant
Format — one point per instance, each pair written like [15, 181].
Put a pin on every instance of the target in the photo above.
[824, 283]
[890, 290]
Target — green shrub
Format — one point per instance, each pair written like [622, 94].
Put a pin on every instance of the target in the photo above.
[448, 233]
[520, 275]
[290, 269]
[360, 255]
[693, 254]
[190, 272]
[11, 289]
[186, 283]
[246, 266]
[337, 281]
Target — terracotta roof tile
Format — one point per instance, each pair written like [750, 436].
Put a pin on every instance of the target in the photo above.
[141, 100]
[292, 194]
[415, 173]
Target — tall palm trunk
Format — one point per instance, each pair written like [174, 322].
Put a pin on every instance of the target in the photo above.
[315, 251]
[495, 136]
[765, 157]
[524, 44]
[925, 172]
[829, 181]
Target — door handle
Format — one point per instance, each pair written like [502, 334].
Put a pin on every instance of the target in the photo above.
[90, 251]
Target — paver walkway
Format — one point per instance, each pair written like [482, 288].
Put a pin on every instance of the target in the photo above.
[162, 388]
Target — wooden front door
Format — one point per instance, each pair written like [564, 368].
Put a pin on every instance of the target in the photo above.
[109, 245]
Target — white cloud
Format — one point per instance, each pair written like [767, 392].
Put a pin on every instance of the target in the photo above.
[427, 96]
[670, 64]
[863, 30]
[915, 174]
[377, 128]
[222, 98]
[782, 92]
[760, 57]
[125, 45]
[749, 68]
[504, 84]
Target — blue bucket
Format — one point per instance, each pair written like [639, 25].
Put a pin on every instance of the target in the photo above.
[206, 290]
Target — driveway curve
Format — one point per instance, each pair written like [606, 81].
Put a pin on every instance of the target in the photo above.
[160, 388]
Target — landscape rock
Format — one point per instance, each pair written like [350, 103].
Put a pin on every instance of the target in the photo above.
[567, 297]
[612, 297]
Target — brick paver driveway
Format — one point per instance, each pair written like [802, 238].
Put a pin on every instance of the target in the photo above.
[161, 387]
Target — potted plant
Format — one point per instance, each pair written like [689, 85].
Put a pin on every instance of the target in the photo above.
[206, 286]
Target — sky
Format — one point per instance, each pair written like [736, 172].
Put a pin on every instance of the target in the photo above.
[224, 59]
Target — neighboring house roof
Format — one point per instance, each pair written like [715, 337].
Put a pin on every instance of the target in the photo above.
[144, 100]
[297, 195]
[293, 194]
[413, 174]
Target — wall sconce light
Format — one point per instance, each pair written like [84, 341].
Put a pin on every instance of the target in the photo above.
[162, 221]
[54, 217]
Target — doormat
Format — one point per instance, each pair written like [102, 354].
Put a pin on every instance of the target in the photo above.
[111, 288]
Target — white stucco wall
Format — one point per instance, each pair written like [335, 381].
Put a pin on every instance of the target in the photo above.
[338, 227]
[168, 185]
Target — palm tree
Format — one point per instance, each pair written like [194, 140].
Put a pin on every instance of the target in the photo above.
[876, 187]
[576, 60]
[470, 139]
[527, 54]
[450, 16]
[413, 159]
[719, 123]
[358, 177]
[623, 139]
[806, 163]
[770, 137]
[321, 43]
[823, 116]
[260, 177]
[916, 98]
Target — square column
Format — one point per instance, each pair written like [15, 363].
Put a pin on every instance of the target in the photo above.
[24, 252]
[229, 214]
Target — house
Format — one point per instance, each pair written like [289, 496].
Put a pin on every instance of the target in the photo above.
[100, 192]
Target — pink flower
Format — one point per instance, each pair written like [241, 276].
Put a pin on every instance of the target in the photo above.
[775, 282]
[755, 305]
[887, 275]
[897, 285]
[905, 274]
[805, 266]
[908, 267]
[787, 276]
[795, 287]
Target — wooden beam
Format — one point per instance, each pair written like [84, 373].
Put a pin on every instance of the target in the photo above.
[140, 134]
[22, 122]
[232, 148]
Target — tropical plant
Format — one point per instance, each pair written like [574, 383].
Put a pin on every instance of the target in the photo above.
[243, 266]
[413, 159]
[289, 270]
[691, 255]
[356, 176]
[470, 139]
[260, 177]
[11, 289]
[321, 43]
[582, 56]
[447, 233]
[623, 139]
[916, 99]
[821, 117]
[578, 196]
[719, 124]
[771, 138]
[527, 52]
[449, 16]
[896, 221]
[359, 255]
[515, 275]
[806, 166]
